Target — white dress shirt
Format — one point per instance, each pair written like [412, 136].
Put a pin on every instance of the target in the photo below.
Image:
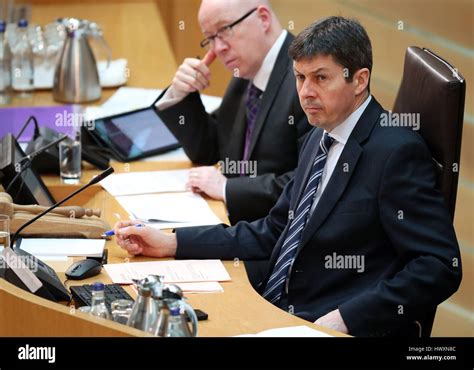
[260, 80]
[340, 134]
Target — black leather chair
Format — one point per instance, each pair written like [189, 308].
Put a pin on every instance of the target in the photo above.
[436, 90]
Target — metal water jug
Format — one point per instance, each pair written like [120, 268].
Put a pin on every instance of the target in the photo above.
[76, 79]
[144, 312]
[174, 311]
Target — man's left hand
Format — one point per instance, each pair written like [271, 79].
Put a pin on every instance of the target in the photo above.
[209, 180]
[333, 320]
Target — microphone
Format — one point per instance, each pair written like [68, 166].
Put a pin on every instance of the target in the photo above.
[93, 181]
[29, 157]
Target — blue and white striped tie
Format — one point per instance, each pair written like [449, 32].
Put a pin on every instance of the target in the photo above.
[274, 289]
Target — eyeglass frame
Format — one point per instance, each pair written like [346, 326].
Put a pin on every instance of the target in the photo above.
[208, 40]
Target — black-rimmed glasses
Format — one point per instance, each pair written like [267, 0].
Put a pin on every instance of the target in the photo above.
[223, 33]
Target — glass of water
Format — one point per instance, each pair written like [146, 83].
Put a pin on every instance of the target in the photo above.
[121, 310]
[70, 158]
[4, 232]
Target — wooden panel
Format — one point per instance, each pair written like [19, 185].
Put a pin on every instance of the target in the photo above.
[448, 324]
[39, 317]
[467, 153]
[185, 35]
[464, 297]
[463, 222]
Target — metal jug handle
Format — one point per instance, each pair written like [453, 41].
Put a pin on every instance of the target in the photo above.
[95, 31]
[192, 315]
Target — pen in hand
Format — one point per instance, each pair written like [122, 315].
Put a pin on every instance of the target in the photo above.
[110, 233]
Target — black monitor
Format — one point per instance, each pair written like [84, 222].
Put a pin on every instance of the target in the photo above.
[28, 188]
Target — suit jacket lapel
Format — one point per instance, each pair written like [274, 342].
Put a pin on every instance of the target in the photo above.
[340, 178]
[334, 189]
[304, 180]
[271, 91]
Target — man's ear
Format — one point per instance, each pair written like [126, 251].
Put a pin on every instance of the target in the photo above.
[361, 80]
[265, 16]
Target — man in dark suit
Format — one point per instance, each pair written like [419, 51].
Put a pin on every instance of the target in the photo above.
[360, 239]
[256, 134]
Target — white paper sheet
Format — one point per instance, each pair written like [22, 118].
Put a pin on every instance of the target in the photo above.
[41, 247]
[185, 271]
[292, 331]
[127, 99]
[52, 258]
[206, 287]
[146, 182]
[169, 210]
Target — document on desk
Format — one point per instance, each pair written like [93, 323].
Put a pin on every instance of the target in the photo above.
[42, 247]
[205, 287]
[184, 271]
[146, 182]
[292, 331]
[127, 99]
[169, 210]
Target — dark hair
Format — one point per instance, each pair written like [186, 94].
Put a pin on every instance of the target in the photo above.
[343, 39]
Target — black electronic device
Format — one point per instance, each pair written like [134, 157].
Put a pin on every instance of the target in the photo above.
[48, 162]
[82, 294]
[28, 188]
[83, 269]
[52, 289]
[133, 135]
[32, 270]
[201, 315]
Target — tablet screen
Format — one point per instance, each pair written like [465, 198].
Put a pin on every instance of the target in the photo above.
[136, 134]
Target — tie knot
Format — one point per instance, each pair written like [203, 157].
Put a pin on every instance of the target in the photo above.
[254, 92]
[327, 141]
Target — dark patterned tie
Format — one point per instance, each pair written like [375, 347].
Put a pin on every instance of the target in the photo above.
[274, 289]
[253, 106]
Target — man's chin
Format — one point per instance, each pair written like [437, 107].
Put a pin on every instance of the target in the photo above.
[314, 121]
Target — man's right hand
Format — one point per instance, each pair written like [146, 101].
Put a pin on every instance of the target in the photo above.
[193, 75]
[146, 240]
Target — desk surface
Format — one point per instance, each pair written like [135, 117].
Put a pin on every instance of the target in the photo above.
[238, 310]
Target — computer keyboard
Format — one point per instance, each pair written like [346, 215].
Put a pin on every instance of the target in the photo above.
[82, 294]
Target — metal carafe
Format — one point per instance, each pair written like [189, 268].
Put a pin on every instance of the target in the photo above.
[76, 79]
[172, 317]
[144, 312]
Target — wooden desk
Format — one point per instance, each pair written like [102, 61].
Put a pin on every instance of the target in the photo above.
[238, 310]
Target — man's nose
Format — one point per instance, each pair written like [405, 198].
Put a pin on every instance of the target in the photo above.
[307, 90]
[220, 46]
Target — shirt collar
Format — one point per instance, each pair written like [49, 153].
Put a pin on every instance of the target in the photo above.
[342, 132]
[263, 75]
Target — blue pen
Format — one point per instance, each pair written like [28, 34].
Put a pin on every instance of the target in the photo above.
[110, 233]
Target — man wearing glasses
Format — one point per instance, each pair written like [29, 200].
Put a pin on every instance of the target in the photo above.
[259, 125]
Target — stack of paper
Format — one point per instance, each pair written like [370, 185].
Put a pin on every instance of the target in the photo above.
[146, 182]
[169, 210]
[59, 249]
[198, 276]
[160, 198]
[292, 331]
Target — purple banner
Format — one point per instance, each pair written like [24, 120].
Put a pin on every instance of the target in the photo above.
[59, 118]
